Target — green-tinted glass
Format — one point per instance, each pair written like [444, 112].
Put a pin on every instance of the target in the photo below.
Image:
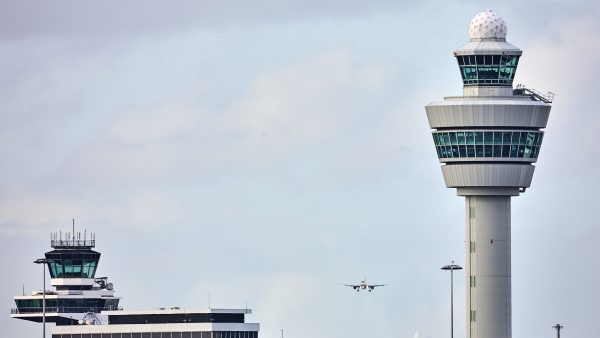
[479, 151]
[462, 150]
[452, 138]
[469, 73]
[488, 137]
[470, 151]
[523, 138]
[460, 137]
[515, 137]
[497, 150]
[488, 151]
[521, 151]
[506, 137]
[497, 137]
[445, 139]
[455, 153]
[487, 73]
[470, 137]
[478, 137]
[530, 138]
[527, 151]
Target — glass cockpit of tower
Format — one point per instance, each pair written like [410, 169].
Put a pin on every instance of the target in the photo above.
[72, 258]
[487, 70]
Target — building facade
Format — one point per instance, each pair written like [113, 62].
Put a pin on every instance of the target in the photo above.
[166, 323]
[84, 306]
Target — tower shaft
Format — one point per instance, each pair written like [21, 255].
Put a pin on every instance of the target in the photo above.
[488, 266]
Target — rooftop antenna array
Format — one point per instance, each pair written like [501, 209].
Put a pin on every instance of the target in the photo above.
[72, 239]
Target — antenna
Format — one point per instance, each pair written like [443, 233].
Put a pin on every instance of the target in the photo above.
[73, 228]
[209, 300]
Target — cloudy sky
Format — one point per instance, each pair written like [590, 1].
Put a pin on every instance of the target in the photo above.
[265, 151]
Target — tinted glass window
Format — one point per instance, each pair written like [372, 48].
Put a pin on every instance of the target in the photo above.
[459, 144]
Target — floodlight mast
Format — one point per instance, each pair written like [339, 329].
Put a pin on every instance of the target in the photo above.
[487, 140]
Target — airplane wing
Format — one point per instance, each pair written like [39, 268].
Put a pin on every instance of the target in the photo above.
[354, 286]
[376, 285]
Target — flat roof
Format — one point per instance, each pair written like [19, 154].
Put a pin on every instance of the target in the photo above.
[173, 310]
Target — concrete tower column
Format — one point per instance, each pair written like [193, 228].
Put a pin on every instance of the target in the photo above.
[487, 265]
[487, 141]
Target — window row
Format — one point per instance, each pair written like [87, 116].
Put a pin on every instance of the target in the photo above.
[530, 138]
[66, 305]
[492, 74]
[73, 268]
[479, 60]
[476, 151]
[217, 334]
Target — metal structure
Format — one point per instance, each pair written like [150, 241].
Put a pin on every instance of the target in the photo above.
[487, 141]
[558, 327]
[451, 268]
[43, 261]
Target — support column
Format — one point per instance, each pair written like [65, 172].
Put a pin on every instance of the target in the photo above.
[488, 266]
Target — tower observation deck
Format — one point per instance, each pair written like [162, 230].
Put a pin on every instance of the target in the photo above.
[487, 141]
[78, 293]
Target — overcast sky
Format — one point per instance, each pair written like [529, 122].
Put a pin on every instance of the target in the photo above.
[265, 151]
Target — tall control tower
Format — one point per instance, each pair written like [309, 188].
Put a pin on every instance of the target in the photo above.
[488, 140]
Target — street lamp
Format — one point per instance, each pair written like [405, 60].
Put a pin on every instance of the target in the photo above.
[452, 267]
[43, 261]
[557, 327]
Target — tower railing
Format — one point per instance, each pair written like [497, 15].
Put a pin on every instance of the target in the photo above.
[535, 94]
[73, 243]
[63, 309]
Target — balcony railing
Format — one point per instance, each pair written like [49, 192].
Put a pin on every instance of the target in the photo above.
[73, 243]
[30, 310]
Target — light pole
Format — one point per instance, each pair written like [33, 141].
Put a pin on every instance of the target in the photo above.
[452, 267]
[43, 261]
[557, 327]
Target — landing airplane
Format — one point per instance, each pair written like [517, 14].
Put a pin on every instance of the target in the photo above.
[363, 285]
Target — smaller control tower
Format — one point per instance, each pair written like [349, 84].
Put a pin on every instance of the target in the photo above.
[78, 294]
[487, 140]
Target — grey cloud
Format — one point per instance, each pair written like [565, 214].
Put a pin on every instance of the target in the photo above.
[116, 18]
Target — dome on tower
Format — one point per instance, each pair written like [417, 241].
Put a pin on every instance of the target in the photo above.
[487, 25]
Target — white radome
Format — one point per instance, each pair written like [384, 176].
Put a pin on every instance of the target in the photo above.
[487, 25]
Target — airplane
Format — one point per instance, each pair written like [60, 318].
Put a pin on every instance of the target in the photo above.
[363, 285]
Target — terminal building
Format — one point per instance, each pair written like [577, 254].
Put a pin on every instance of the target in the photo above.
[85, 306]
[488, 140]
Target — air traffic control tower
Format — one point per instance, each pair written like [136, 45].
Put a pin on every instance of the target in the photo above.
[488, 140]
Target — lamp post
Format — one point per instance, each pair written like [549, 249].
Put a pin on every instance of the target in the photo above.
[557, 327]
[43, 261]
[452, 267]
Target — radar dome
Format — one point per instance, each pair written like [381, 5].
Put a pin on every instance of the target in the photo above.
[487, 25]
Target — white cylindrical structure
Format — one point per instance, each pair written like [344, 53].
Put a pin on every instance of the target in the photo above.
[487, 266]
